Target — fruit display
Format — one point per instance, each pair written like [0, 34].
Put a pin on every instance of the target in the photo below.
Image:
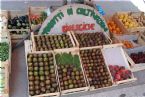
[140, 18]
[120, 73]
[128, 21]
[4, 51]
[113, 27]
[127, 44]
[91, 39]
[69, 71]
[51, 42]
[19, 22]
[41, 74]
[95, 68]
[138, 57]
[38, 19]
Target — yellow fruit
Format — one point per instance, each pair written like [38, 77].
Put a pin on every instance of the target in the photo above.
[126, 26]
[125, 15]
[124, 20]
[126, 23]
[129, 17]
[121, 16]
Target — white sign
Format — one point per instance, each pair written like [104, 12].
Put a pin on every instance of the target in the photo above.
[74, 17]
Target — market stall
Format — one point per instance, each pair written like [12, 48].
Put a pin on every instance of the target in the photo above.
[74, 48]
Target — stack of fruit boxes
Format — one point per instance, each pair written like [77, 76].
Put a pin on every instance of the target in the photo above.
[62, 90]
[66, 49]
[65, 90]
[102, 47]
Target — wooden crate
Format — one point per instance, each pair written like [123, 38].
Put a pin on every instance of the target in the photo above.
[77, 43]
[4, 33]
[56, 94]
[4, 13]
[110, 18]
[28, 46]
[4, 19]
[116, 53]
[35, 11]
[143, 33]
[129, 38]
[141, 39]
[19, 36]
[34, 45]
[140, 17]
[135, 67]
[127, 30]
[8, 40]
[91, 88]
[5, 66]
[74, 90]
[12, 14]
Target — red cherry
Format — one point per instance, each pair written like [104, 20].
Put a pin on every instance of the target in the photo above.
[117, 77]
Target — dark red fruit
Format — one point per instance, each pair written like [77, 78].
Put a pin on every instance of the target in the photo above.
[119, 72]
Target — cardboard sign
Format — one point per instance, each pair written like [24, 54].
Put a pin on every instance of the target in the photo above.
[74, 17]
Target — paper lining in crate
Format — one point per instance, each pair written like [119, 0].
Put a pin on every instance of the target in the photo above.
[4, 77]
[28, 46]
[52, 41]
[136, 66]
[132, 30]
[20, 26]
[97, 72]
[43, 84]
[92, 42]
[115, 56]
[70, 72]
[35, 15]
